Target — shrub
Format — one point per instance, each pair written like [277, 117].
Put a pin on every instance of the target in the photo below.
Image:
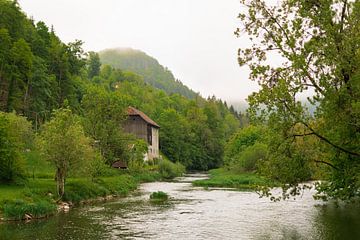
[250, 156]
[244, 138]
[97, 166]
[159, 196]
[13, 132]
[169, 170]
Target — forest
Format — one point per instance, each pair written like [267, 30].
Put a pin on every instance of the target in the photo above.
[64, 107]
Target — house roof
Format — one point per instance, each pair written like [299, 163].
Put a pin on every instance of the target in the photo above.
[119, 164]
[134, 112]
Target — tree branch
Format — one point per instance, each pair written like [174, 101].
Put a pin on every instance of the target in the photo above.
[320, 136]
[327, 163]
[302, 135]
[311, 79]
[329, 142]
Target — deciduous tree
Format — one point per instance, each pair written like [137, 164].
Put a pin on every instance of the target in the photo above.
[62, 142]
[319, 44]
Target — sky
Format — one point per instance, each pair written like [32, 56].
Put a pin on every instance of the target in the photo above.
[193, 38]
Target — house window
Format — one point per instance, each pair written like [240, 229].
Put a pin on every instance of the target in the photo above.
[149, 134]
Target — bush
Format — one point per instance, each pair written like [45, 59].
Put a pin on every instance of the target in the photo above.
[244, 138]
[97, 166]
[250, 156]
[17, 209]
[169, 170]
[13, 132]
[159, 196]
[136, 166]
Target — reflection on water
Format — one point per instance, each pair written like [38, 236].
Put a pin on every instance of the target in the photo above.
[195, 213]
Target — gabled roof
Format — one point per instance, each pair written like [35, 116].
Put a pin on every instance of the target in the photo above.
[134, 112]
[119, 164]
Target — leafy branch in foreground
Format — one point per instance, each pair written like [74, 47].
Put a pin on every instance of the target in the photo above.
[318, 43]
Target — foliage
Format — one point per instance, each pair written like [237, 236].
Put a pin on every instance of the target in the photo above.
[93, 65]
[252, 156]
[104, 112]
[192, 132]
[63, 143]
[97, 167]
[37, 197]
[138, 148]
[16, 210]
[230, 179]
[15, 132]
[82, 189]
[36, 166]
[246, 148]
[318, 42]
[159, 196]
[39, 74]
[37, 70]
[242, 139]
[169, 170]
[146, 66]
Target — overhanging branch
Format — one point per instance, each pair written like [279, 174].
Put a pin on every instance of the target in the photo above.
[327, 163]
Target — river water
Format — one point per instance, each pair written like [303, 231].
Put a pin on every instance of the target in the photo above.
[196, 213]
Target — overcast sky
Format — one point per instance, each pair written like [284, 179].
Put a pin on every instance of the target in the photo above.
[193, 38]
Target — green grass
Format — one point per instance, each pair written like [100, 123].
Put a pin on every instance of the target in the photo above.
[37, 195]
[34, 198]
[80, 189]
[227, 179]
[159, 196]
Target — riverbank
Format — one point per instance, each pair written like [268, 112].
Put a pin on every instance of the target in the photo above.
[37, 198]
[223, 178]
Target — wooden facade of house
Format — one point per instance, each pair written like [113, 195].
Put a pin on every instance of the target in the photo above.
[139, 124]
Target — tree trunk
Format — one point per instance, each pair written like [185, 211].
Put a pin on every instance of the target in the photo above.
[60, 182]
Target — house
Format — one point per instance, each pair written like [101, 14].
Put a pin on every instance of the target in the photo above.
[139, 124]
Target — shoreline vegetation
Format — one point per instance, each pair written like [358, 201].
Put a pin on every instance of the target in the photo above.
[37, 197]
[223, 178]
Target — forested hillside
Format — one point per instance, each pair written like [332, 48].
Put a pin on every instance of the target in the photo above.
[37, 71]
[40, 74]
[146, 66]
[192, 132]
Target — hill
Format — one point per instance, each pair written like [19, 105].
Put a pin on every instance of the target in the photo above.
[148, 67]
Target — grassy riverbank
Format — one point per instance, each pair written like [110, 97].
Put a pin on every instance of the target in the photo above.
[227, 179]
[37, 197]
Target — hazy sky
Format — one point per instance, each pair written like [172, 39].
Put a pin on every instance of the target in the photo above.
[193, 38]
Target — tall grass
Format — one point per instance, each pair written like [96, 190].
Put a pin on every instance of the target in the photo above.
[169, 170]
[224, 178]
[16, 209]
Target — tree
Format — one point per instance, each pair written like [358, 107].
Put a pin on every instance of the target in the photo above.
[22, 59]
[318, 42]
[239, 142]
[93, 65]
[15, 136]
[62, 142]
[104, 113]
[5, 67]
[174, 136]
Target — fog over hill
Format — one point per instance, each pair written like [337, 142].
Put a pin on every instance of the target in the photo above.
[148, 67]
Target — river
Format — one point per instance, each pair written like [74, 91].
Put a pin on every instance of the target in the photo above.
[195, 213]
